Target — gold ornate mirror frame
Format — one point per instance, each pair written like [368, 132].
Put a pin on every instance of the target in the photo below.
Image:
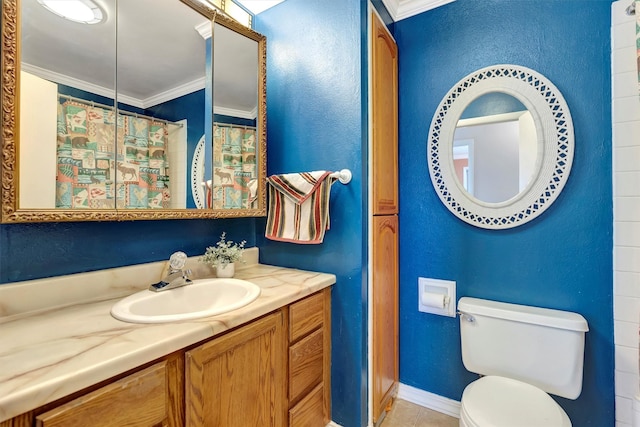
[9, 190]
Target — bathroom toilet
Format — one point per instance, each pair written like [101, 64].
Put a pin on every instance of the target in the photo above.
[523, 353]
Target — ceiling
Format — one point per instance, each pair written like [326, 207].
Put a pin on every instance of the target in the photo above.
[161, 55]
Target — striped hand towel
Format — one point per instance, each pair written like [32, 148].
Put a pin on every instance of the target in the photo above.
[299, 207]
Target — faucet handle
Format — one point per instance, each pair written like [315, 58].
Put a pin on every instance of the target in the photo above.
[177, 260]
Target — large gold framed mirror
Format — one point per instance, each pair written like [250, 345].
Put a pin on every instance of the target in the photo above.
[142, 115]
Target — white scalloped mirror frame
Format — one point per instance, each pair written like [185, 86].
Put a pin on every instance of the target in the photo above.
[554, 130]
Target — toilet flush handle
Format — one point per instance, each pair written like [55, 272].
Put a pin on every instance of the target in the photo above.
[466, 316]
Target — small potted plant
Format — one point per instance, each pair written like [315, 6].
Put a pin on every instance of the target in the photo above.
[223, 256]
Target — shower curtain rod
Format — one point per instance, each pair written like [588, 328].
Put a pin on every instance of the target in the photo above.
[120, 111]
[631, 9]
[231, 125]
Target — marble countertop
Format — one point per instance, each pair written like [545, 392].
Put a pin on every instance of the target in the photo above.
[51, 353]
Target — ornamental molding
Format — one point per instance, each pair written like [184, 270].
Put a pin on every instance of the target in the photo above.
[401, 9]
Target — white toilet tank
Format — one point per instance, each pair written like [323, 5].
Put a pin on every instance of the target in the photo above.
[539, 346]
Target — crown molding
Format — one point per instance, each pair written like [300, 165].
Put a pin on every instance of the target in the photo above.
[251, 115]
[168, 95]
[401, 9]
[174, 93]
[204, 30]
[70, 81]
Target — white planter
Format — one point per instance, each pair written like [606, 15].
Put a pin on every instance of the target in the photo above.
[227, 271]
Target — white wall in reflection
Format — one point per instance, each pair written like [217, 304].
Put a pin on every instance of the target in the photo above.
[495, 156]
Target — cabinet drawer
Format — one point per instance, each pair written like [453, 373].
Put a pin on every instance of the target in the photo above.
[310, 411]
[305, 316]
[305, 365]
[138, 400]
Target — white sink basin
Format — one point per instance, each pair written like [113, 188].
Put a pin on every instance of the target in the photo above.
[202, 298]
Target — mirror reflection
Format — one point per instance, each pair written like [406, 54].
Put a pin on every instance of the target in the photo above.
[60, 60]
[162, 68]
[77, 151]
[232, 163]
[495, 148]
[140, 140]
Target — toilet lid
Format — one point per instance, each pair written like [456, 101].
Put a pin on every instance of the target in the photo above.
[504, 402]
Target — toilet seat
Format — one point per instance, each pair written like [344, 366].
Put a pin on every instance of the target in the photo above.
[495, 401]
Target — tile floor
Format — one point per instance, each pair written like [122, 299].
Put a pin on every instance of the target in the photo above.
[406, 414]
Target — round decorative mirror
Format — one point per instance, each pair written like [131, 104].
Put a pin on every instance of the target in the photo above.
[500, 146]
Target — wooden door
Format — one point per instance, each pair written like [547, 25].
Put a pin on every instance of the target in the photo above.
[384, 100]
[384, 223]
[385, 312]
[238, 380]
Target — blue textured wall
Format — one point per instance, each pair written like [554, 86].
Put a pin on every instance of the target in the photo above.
[315, 121]
[33, 251]
[492, 103]
[562, 259]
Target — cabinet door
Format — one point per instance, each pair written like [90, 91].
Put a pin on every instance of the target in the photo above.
[385, 311]
[142, 399]
[238, 380]
[384, 100]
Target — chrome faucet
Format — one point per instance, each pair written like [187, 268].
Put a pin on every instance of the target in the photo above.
[177, 276]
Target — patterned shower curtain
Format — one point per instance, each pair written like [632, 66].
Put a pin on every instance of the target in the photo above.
[91, 176]
[235, 170]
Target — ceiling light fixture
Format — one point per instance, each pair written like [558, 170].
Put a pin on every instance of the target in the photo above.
[82, 11]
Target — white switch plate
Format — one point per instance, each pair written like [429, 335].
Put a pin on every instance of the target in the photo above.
[437, 286]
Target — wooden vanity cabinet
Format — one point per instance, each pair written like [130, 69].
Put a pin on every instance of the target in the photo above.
[253, 375]
[237, 380]
[310, 361]
[272, 371]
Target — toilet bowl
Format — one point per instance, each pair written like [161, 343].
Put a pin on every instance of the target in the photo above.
[523, 353]
[504, 402]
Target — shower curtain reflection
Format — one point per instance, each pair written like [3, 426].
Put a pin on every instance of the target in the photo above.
[235, 170]
[91, 176]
